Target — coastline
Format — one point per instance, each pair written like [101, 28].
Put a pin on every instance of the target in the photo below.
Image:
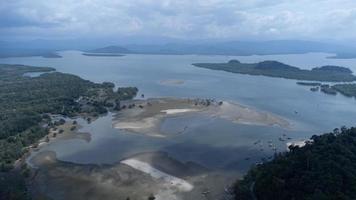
[52, 136]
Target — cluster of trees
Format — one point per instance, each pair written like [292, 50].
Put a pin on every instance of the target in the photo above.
[324, 168]
[13, 187]
[126, 93]
[348, 90]
[281, 70]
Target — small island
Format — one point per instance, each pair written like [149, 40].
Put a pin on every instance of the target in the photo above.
[277, 69]
[346, 89]
[102, 54]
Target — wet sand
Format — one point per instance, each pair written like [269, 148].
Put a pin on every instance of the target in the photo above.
[136, 177]
[147, 116]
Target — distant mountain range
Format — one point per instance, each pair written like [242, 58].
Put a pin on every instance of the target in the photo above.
[110, 49]
[240, 48]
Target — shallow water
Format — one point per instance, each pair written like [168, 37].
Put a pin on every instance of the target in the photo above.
[214, 143]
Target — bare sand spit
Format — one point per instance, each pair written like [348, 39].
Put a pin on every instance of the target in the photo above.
[146, 116]
[166, 179]
[245, 115]
[172, 82]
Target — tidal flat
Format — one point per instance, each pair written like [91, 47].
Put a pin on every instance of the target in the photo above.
[146, 116]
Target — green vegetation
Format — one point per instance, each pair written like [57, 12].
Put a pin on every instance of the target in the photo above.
[25, 105]
[7, 53]
[110, 49]
[348, 90]
[277, 69]
[13, 187]
[323, 169]
[328, 90]
[309, 83]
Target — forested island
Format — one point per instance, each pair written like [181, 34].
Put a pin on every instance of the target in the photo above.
[110, 50]
[102, 54]
[281, 70]
[346, 89]
[324, 168]
[26, 106]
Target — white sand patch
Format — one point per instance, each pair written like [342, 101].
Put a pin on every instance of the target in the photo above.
[171, 82]
[146, 125]
[177, 111]
[167, 180]
[41, 144]
[142, 124]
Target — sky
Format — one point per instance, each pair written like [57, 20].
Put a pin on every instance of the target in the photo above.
[183, 19]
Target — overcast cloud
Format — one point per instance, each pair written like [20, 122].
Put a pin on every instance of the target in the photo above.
[186, 19]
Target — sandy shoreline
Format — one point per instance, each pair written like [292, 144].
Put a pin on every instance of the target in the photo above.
[147, 115]
[61, 132]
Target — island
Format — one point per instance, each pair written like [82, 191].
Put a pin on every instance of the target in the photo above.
[102, 54]
[110, 50]
[281, 70]
[321, 168]
[346, 89]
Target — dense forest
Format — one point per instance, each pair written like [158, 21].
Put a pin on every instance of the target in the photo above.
[26, 104]
[324, 168]
[277, 69]
[348, 90]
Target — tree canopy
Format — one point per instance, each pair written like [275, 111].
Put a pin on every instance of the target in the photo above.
[322, 169]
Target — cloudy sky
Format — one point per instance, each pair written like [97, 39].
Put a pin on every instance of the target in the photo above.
[184, 19]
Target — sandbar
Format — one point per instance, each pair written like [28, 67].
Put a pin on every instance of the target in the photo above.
[146, 116]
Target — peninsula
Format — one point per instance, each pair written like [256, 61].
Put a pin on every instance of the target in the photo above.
[27, 104]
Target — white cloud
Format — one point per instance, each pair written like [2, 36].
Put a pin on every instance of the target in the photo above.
[228, 19]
